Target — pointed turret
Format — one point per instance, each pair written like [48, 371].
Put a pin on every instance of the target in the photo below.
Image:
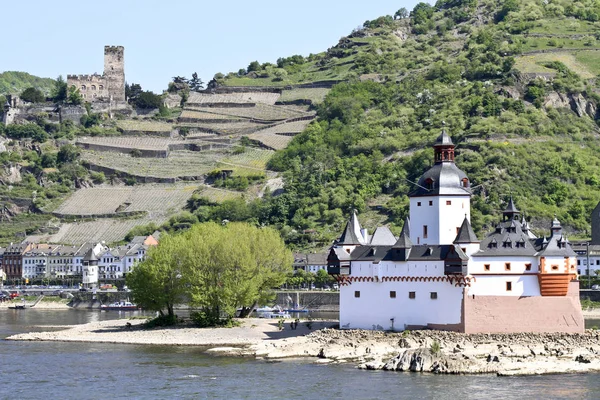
[352, 234]
[466, 234]
[510, 212]
[444, 148]
[404, 241]
[527, 229]
[401, 249]
[556, 228]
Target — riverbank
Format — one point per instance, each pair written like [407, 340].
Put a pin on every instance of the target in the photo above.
[61, 304]
[422, 351]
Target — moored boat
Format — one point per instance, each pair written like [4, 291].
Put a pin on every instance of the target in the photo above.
[119, 306]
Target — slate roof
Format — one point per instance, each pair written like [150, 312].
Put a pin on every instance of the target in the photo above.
[447, 180]
[90, 256]
[466, 234]
[417, 253]
[382, 237]
[404, 241]
[557, 245]
[444, 139]
[352, 234]
[507, 240]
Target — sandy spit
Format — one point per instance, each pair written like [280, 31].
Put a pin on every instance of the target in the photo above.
[418, 351]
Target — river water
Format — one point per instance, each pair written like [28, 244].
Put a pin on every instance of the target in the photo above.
[49, 370]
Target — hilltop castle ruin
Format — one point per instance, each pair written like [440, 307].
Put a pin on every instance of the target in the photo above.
[108, 87]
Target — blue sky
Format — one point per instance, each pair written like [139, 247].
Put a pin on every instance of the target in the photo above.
[163, 39]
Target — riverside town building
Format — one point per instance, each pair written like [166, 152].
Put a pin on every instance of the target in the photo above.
[439, 275]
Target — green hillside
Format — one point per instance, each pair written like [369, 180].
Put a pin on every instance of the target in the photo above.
[514, 82]
[14, 82]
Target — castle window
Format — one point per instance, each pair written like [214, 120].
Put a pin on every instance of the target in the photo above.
[508, 286]
[507, 266]
[429, 183]
[100, 87]
[528, 267]
[555, 268]
[578, 262]
[465, 182]
[424, 231]
[82, 87]
[357, 293]
[93, 87]
[418, 204]
[448, 202]
[392, 294]
[430, 203]
[433, 295]
[412, 295]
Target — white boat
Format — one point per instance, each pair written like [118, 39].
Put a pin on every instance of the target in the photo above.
[120, 306]
[272, 312]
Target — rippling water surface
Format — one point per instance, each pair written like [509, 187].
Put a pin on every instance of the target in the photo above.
[47, 370]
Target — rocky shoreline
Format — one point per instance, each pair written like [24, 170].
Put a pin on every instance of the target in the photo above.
[416, 351]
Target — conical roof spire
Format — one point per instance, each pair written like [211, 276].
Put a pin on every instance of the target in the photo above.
[465, 233]
[352, 234]
[444, 139]
[404, 241]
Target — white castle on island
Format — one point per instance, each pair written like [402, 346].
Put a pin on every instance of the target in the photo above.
[438, 275]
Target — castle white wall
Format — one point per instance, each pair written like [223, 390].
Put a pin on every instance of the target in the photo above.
[559, 265]
[396, 268]
[497, 265]
[495, 285]
[443, 216]
[374, 309]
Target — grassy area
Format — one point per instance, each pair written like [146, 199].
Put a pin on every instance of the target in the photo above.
[547, 43]
[271, 140]
[316, 95]
[259, 111]
[583, 63]
[21, 225]
[564, 26]
[217, 195]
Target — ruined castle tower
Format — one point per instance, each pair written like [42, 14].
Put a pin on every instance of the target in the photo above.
[114, 72]
[108, 87]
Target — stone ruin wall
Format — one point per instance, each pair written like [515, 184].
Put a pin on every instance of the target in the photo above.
[92, 87]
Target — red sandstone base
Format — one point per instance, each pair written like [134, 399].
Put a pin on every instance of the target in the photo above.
[505, 314]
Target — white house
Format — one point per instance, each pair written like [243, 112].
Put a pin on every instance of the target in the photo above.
[437, 274]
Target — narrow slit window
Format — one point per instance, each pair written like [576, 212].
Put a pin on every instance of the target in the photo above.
[357, 293]
[507, 267]
[433, 295]
[528, 267]
[412, 295]
[508, 286]
[486, 267]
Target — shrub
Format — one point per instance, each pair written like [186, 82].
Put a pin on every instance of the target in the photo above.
[148, 100]
[33, 95]
[435, 347]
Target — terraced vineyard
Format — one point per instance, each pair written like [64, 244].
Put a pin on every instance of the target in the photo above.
[129, 142]
[259, 111]
[271, 140]
[105, 229]
[289, 128]
[248, 97]
[144, 126]
[178, 164]
[253, 159]
[316, 95]
[154, 199]
[226, 128]
[196, 113]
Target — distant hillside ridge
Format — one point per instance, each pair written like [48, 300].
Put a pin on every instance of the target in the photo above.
[14, 82]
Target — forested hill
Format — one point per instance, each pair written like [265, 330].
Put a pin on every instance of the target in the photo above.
[14, 82]
[514, 81]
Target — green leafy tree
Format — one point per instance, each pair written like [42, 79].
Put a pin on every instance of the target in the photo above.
[157, 283]
[33, 95]
[148, 100]
[74, 97]
[196, 83]
[401, 13]
[68, 153]
[253, 66]
[59, 92]
[133, 91]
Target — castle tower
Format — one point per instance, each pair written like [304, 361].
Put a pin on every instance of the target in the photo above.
[441, 200]
[114, 72]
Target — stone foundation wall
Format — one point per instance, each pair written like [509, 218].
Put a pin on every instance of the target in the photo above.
[500, 314]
